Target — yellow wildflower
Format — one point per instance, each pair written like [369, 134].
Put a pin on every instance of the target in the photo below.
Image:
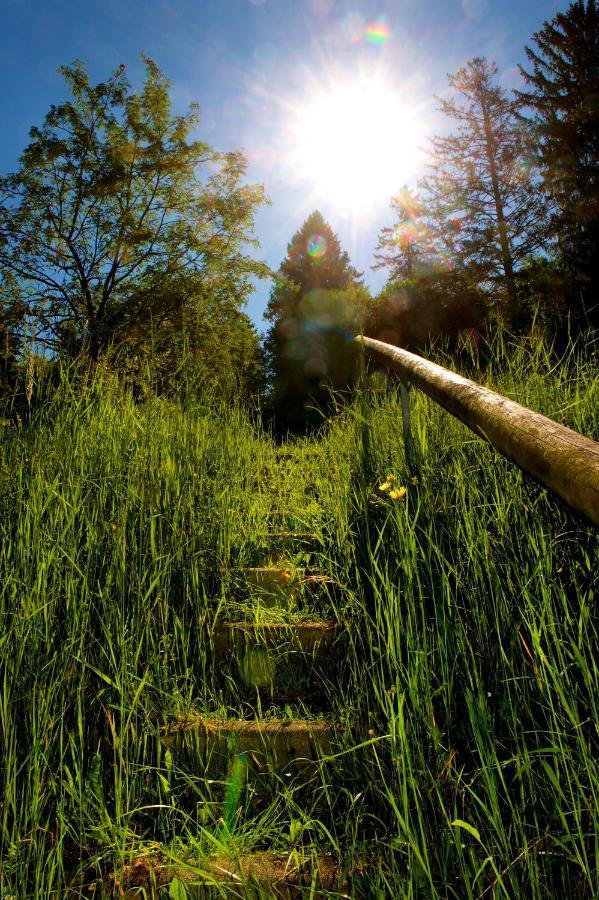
[398, 493]
[386, 486]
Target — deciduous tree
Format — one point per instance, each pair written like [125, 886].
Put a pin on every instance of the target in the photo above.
[12, 321]
[118, 218]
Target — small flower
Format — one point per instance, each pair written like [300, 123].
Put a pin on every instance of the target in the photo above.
[414, 479]
[386, 486]
[397, 493]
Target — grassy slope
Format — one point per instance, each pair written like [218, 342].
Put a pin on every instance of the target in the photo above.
[474, 669]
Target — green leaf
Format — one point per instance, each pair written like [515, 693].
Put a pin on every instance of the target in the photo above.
[177, 890]
[459, 823]
[94, 789]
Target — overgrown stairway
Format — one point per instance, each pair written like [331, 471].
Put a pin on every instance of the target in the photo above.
[285, 668]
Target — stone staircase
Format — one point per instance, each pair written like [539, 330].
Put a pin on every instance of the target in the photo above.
[280, 663]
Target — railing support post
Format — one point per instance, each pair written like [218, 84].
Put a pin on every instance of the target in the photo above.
[407, 429]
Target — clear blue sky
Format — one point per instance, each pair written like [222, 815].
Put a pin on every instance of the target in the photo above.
[247, 62]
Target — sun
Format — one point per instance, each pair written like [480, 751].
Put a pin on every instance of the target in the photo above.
[356, 143]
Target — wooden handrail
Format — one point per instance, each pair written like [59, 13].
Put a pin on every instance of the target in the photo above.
[561, 459]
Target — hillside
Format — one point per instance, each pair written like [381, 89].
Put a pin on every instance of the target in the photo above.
[454, 680]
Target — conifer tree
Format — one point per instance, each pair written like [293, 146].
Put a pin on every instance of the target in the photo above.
[314, 310]
[563, 96]
[484, 208]
[404, 248]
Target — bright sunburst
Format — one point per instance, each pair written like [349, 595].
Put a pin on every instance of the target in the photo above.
[356, 143]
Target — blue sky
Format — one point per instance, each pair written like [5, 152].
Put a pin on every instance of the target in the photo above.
[250, 64]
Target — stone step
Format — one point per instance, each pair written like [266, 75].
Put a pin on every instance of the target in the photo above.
[266, 874]
[286, 659]
[265, 745]
[278, 586]
[272, 586]
[280, 544]
[312, 640]
[279, 548]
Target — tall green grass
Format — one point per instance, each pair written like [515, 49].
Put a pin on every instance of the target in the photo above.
[468, 685]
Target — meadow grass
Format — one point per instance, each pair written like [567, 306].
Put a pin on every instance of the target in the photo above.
[467, 684]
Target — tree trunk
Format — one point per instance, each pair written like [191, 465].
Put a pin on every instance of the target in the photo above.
[504, 243]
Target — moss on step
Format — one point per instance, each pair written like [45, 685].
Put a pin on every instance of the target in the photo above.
[271, 744]
[267, 874]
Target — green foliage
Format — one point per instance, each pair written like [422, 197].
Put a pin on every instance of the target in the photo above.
[212, 349]
[413, 311]
[484, 208]
[405, 249]
[316, 306]
[119, 224]
[543, 290]
[468, 684]
[563, 97]
[12, 317]
[427, 294]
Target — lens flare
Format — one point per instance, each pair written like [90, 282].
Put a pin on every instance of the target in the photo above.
[377, 33]
[316, 246]
[405, 234]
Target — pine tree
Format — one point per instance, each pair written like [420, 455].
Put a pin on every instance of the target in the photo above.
[404, 248]
[563, 95]
[117, 220]
[314, 310]
[485, 210]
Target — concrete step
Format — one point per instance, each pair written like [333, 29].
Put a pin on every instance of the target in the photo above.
[248, 877]
[265, 745]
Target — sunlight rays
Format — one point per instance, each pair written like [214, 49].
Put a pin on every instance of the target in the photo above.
[355, 143]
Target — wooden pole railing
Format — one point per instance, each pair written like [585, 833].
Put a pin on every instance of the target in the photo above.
[561, 459]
